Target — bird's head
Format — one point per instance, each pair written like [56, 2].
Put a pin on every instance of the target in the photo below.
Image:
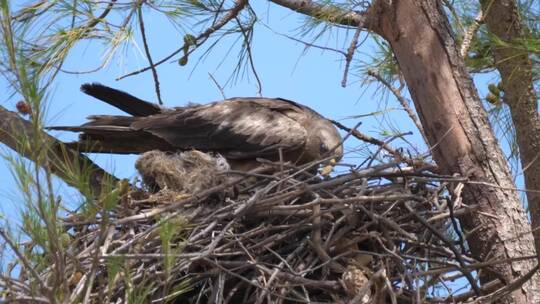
[324, 141]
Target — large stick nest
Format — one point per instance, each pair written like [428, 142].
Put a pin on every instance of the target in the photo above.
[383, 233]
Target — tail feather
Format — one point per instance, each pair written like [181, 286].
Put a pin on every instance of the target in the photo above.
[121, 100]
[92, 129]
[113, 134]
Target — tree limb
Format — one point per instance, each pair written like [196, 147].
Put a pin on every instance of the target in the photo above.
[331, 13]
[60, 156]
[468, 37]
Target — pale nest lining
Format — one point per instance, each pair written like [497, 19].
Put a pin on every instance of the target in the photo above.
[188, 172]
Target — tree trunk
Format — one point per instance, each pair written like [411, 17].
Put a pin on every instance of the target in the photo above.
[502, 19]
[457, 129]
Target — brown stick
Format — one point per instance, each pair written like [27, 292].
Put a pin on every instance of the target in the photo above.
[398, 155]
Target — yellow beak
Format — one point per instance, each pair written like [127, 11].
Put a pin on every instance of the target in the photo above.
[326, 170]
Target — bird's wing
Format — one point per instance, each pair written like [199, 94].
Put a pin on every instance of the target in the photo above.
[236, 127]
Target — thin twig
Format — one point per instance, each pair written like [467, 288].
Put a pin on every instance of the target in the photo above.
[106, 233]
[457, 254]
[231, 14]
[24, 261]
[148, 55]
[402, 101]
[350, 53]
[220, 88]
[247, 43]
[306, 44]
[366, 138]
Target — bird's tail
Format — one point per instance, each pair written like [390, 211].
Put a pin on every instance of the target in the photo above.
[113, 134]
[121, 100]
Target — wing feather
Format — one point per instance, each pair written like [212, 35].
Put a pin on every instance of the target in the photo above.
[238, 124]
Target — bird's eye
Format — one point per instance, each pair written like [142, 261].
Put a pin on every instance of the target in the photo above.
[323, 149]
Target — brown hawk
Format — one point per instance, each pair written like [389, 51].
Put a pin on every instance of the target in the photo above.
[240, 129]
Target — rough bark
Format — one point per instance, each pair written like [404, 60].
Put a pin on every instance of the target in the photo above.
[12, 126]
[457, 127]
[458, 130]
[503, 20]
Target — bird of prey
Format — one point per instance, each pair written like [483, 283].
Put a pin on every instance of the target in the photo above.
[240, 129]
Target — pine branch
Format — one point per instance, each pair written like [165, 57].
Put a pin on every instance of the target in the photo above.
[332, 13]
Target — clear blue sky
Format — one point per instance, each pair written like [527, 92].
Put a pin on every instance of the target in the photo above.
[312, 78]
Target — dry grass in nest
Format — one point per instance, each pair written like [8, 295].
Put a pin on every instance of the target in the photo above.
[378, 234]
